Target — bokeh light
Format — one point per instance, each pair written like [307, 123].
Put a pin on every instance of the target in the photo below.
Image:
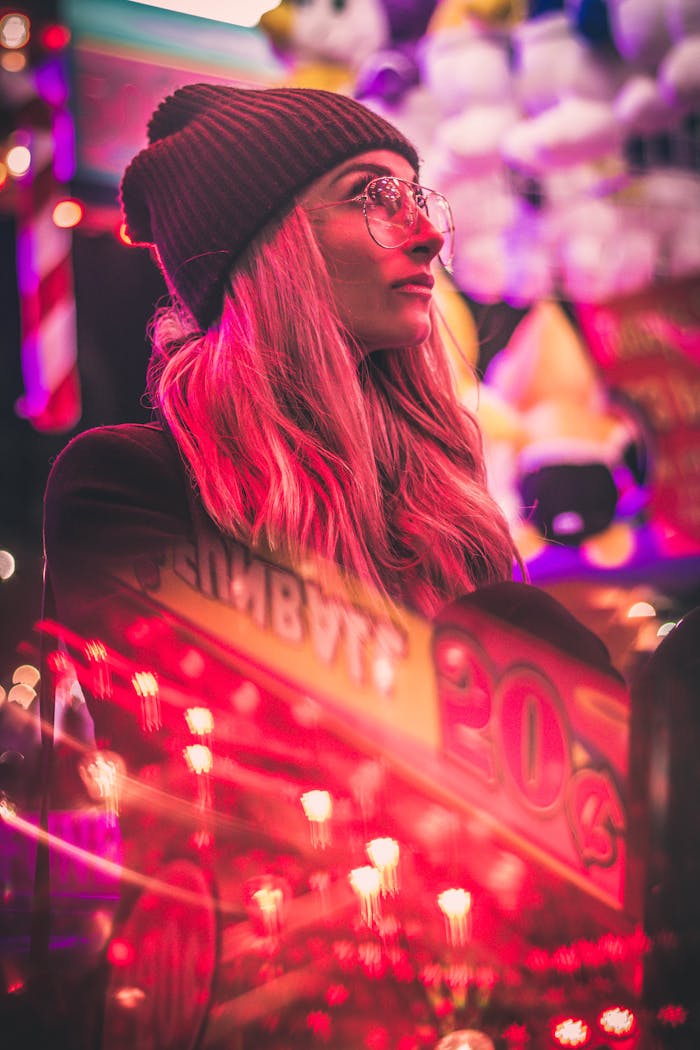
[123, 235]
[199, 758]
[572, 1031]
[26, 674]
[384, 854]
[367, 883]
[455, 904]
[22, 694]
[121, 952]
[245, 699]
[7, 565]
[199, 720]
[68, 213]
[55, 37]
[466, 1039]
[617, 1020]
[640, 610]
[318, 805]
[18, 160]
[13, 61]
[14, 30]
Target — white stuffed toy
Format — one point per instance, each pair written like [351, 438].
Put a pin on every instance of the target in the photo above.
[548, 144]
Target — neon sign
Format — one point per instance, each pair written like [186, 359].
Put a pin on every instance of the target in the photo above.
[541, 742]
[499, 722]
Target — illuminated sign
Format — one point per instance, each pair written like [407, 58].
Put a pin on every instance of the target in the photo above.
[543, 739]
[482, 715]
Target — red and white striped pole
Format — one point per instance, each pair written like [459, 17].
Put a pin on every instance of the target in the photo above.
[42, 154]
[51, 401]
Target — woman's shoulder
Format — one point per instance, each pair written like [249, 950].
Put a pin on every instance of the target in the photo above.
[119, 445]
[116, 497]
[140, 458]
[125, 482]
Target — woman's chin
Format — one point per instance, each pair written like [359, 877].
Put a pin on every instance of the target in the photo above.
[402, 338]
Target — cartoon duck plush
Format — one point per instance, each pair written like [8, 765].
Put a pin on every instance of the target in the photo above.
[324, 41]
[576, 447]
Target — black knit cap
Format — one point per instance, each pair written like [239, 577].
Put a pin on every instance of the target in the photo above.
[222, 161]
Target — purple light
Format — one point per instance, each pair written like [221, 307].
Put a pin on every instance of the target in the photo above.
[51, 83]
[63, 146]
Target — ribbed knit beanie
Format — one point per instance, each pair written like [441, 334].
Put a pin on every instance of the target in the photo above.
[222, 161]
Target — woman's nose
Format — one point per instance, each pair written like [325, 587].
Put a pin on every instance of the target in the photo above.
[426, 237]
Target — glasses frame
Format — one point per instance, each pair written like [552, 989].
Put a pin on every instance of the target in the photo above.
[421, 197]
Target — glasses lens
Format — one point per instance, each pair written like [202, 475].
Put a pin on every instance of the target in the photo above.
[438, 210]
[390, 210]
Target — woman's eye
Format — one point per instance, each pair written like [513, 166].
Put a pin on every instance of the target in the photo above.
[361, 186]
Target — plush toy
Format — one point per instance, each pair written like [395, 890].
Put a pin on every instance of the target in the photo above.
[466, 68]
[364, 48]
[661, 38]
[547, 144]
[576, 453]
[325, 41]
[390, 71]
[592, 76]
[389, 81]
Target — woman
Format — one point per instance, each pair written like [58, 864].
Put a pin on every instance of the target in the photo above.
[302, 392]
[305, 413]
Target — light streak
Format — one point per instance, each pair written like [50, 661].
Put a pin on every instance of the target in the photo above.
[110, 868]
[244, 13]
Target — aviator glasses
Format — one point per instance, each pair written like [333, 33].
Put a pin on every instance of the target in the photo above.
[391, 206]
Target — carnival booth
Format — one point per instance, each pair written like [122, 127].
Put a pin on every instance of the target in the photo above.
[255, 808]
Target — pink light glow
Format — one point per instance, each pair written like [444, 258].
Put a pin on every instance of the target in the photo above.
[200, 720]
[384, 854]
[121, 952]
[318, 807]
[455, 904]
[55, 37]
[571, 1032]
[617, 1020]
[199, 758]
[366, 882]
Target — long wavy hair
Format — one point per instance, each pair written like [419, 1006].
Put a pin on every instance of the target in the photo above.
[300, 444]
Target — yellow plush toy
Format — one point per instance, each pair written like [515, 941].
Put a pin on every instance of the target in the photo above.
[573, 441]
[325, 43]
[450, 14]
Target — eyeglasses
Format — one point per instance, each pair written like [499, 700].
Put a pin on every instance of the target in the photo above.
[391, 206]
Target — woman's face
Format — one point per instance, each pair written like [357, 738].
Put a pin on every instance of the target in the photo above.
[383, 295]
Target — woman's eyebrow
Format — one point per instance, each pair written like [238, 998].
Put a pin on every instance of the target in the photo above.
[364, 166]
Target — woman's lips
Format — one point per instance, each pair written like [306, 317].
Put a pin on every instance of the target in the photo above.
[415, 284]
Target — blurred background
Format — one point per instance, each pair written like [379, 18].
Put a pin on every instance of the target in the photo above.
[566, 134]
